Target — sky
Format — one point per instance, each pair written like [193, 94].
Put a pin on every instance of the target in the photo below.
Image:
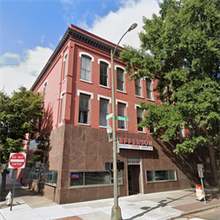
[30, 30]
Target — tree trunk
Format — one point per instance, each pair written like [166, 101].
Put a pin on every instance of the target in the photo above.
[3, 183]
[213, 163]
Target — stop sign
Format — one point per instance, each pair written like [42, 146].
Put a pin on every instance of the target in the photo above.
[17, 160]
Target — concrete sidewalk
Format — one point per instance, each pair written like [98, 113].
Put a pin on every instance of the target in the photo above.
[164, 205]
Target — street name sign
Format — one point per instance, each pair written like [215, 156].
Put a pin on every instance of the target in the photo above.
[17, 160]
[122, 118]
[109, 116]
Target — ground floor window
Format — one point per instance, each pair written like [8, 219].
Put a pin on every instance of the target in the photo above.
[44, 176]
[93, 178]
[161, 175]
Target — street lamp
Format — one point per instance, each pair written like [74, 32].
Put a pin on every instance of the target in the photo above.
[116, 211]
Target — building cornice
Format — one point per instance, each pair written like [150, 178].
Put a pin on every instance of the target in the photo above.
[85, 38]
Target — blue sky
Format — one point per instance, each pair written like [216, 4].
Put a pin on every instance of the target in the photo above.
[31, 29]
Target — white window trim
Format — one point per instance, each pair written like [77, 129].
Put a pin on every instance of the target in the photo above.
[152, 82]
[117, 100]
[91, 97]
[121, 67]
[110, 101]
[141, 84]
[109, 65]
[105, 61]
[84, 92]
[126, 106]
[87, 54]
[65, 65]
[104, 97]
[45, 83]
[62, 94]
[138, 106]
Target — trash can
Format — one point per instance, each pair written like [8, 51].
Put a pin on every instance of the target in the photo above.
[199, 192]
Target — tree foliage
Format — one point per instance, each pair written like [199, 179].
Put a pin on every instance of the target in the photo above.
[18, 116]
[181, 47]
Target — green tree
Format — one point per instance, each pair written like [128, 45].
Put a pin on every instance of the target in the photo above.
[18, 116]
[181, 47]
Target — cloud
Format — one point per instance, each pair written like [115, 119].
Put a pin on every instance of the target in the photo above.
[42, 38]
[25, 72]
[114, 24]
[10, 59]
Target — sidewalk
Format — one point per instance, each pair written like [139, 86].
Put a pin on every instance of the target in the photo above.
[164, 205]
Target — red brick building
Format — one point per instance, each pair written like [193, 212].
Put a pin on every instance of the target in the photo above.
[76, 83]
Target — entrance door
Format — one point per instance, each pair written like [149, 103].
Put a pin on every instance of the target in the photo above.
[133, 179]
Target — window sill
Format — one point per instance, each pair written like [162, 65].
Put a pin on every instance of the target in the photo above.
[84, 124]
[142, 132]
[121, 91]
[103, 126]
[95, 185]
[152, 100]
[106, 87]
[122, 129]
[161, 181]
[82, 80]
[141, 97]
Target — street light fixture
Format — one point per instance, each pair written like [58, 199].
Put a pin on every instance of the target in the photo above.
[116, 211]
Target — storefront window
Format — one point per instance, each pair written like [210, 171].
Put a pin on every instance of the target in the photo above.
[161, 175]
[93, 178]
[44, 176]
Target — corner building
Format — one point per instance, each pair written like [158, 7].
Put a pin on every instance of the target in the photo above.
[76, 84]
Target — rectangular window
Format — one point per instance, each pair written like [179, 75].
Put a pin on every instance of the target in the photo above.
[65, 67]
[161, 175]
[103, 111]
[84, 106]
[139, 117]
[85, 68]
[103, 74]
[149, 89]
[138, 87]
[121, 112]
[93, 178]
[120, 79]
[62, 107]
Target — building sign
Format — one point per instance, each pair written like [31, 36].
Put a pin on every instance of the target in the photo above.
[134, 144]
[74, 176]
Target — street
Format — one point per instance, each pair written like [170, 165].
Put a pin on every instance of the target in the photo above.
[211, 214]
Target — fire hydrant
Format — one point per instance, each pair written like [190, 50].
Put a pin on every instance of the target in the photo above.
[8, 198]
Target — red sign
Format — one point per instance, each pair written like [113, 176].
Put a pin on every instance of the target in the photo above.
[17, 160]
[132, 141]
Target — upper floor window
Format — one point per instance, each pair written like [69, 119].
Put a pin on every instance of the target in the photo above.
[120, 79]
[121, 112]
[84, 108]
[139, 117]
[65, 67]
[45, 88]
[149, 89]
[62, 107]
[103, 111]
[103, 73]
[85, 68]
[138, 87]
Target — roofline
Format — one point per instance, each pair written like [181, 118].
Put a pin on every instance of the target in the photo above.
[79, 34]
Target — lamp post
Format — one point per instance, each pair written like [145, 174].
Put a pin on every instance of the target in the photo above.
[116, 211]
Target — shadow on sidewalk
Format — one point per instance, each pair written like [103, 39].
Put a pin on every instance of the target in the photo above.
[161, 204]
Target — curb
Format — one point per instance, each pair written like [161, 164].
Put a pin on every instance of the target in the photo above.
[195, 211]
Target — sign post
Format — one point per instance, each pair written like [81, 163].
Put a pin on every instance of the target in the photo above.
[16, 161]
[201, 175]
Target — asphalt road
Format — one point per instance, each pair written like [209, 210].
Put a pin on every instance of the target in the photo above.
[211, 214]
